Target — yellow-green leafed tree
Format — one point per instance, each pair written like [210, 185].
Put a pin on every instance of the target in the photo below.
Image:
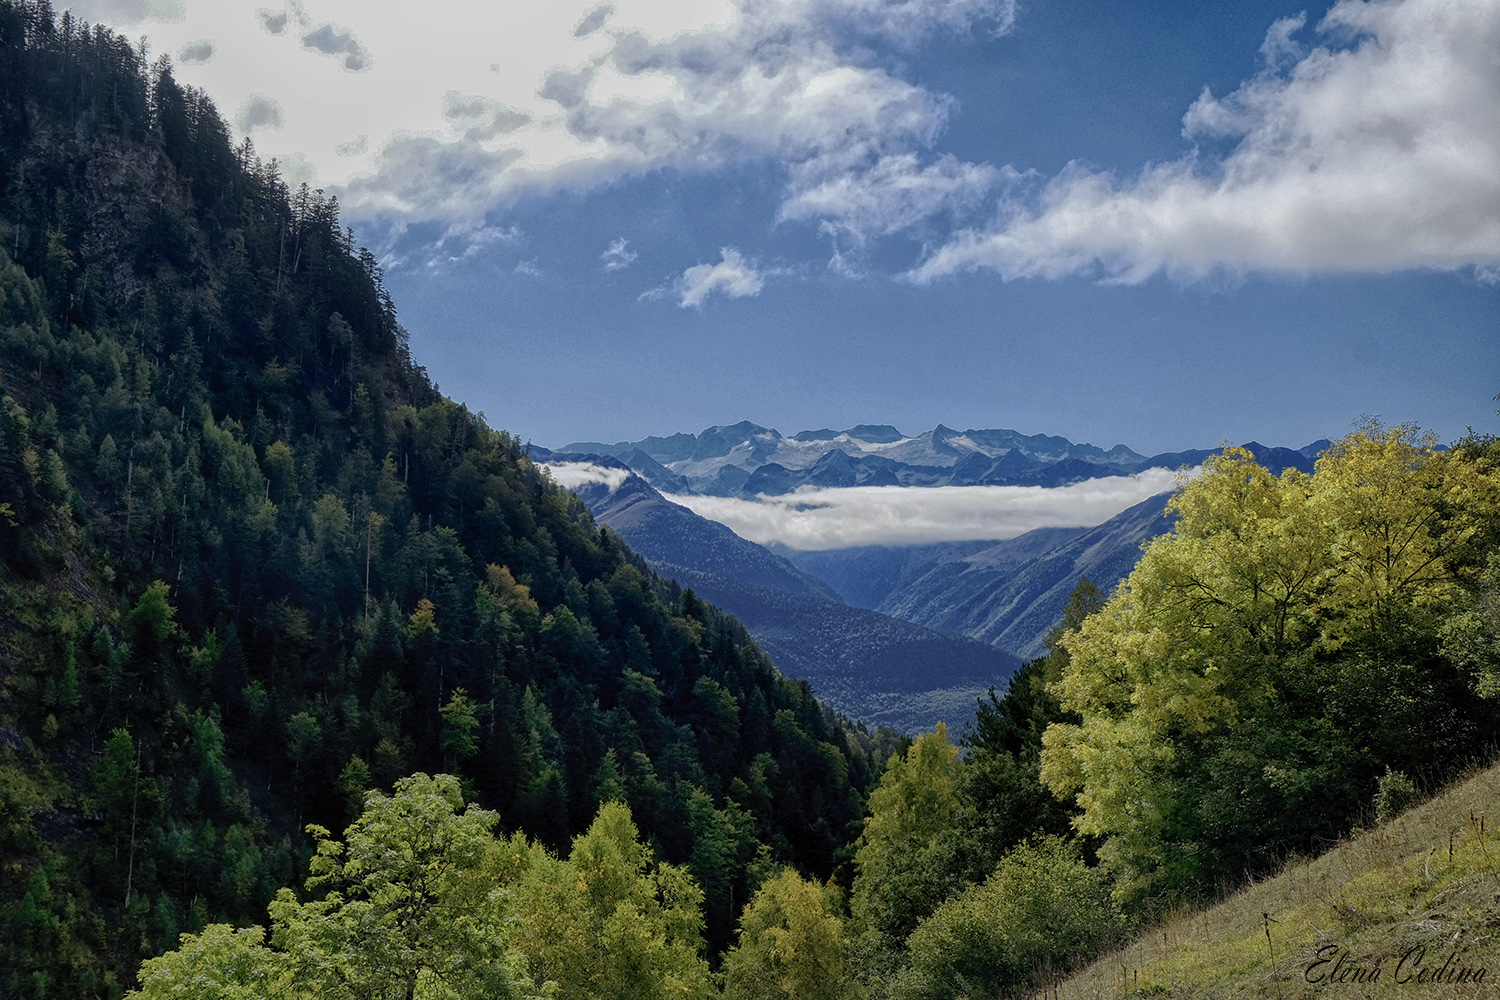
[904, 863]
[1272, 601]
[405, 911]
[1404, 517]
[608, 921]
[791, 945]
[221, 964]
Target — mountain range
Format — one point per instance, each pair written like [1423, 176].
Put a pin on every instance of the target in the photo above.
[748, 460]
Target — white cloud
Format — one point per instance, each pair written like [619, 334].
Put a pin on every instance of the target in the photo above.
[463, 240]
[570, 475]
[733, 276]
[894, 192]
[904, 515]
[1374, 152]
[616, 257]
[469, 106]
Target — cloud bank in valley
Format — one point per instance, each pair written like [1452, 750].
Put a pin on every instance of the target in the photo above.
[1377, 150]
[904, 515]
[570, 475]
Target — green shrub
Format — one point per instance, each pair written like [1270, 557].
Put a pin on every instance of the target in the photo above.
[1394, 794]
[1040, 913]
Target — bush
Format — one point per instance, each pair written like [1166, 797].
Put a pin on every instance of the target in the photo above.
[1394, 794]
[1040, 913]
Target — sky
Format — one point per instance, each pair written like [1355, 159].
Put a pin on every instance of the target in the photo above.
[1162, 225]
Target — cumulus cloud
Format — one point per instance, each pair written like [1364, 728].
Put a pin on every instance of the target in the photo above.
[470, 107]
[258, 112]
[616, 257]
[819, 519]
[1377, 150]
[733, 276]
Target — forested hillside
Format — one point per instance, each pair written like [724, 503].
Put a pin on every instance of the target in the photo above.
[254, 564]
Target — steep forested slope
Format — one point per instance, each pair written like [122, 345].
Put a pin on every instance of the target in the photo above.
[874, 667]
[252, 563]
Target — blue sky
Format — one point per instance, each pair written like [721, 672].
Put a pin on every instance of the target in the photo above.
[1163, 225]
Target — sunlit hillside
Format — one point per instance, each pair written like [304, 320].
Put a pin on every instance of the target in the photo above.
[1409, 907]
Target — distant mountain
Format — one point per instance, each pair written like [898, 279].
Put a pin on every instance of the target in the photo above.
[868, 576]
[665, 532]
[1004, 593]
[748, 460]
[1007, 593]
[871, 666]
[745, 459]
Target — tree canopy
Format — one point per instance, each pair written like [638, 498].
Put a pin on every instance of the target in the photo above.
[1262, 663]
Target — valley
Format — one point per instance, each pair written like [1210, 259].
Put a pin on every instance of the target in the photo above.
[889, 634]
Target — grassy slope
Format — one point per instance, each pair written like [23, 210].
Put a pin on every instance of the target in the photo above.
[1430, 879]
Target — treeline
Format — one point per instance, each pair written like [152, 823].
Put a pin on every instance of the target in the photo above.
[253, 564]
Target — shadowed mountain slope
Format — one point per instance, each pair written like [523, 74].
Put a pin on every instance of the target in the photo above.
[871, 666]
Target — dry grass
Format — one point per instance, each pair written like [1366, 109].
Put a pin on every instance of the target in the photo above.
[1426, 886]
